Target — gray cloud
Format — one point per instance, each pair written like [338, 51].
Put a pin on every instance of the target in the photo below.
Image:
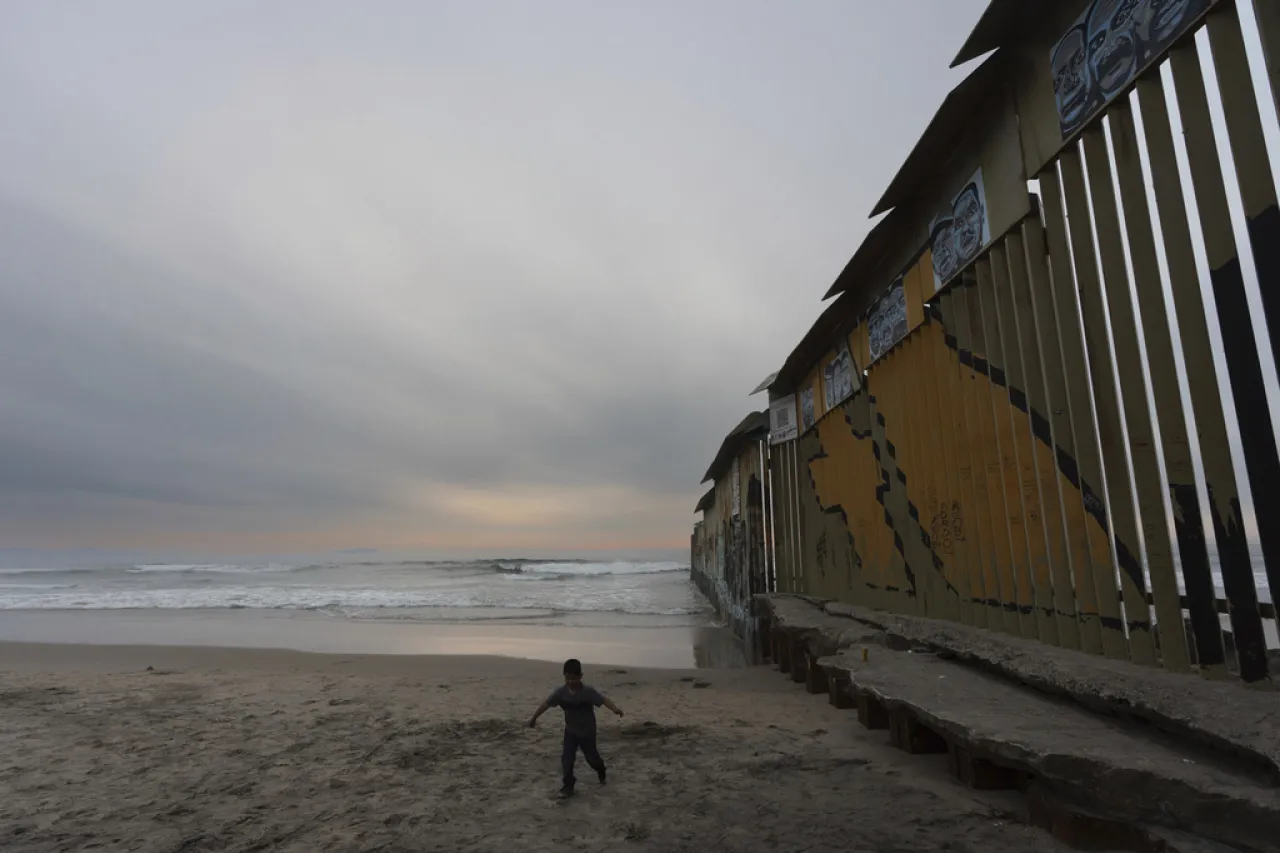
[445, 270]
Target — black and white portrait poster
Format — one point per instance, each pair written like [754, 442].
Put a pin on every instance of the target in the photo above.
[957, 235]
[837, 378]
[807, 414]
[782, 420]
[887, 320]
[1108, 45]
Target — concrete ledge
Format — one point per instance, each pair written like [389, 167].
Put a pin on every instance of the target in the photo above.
[1243, 722]
[806, 624]
[998, 734]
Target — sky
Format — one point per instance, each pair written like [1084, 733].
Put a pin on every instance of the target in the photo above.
[311, 275]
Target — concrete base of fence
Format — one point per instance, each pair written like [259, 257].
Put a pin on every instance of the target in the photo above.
[1231, 718]
[1097, 778]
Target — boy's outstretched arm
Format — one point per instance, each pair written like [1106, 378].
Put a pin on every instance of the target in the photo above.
[542, 709]
[608, 703]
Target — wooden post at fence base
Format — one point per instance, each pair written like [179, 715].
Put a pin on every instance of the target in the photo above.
[799, 660]
[979, 773]
[838, 690]
[871, 713]
[815, 676]
[912, 736]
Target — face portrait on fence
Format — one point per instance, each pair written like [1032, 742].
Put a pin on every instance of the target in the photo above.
[942, 246]
[1113, 44]
[1071, 85]
[969, 216]
[1159, 21]
[1109, 44]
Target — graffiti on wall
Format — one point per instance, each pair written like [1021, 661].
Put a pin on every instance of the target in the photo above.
[957, 235]
[1106, 48]
[887, 320]
[837, 377]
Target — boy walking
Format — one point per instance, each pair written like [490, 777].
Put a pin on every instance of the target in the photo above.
[579, 702]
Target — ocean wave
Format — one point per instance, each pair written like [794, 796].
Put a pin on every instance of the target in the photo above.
[575, 569]
[215, 568]
[48, 571]
[283, 598]
[4, 587]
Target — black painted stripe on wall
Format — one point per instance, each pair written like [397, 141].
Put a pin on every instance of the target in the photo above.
[1067, 465]
[1019, 400]
[1041, 429]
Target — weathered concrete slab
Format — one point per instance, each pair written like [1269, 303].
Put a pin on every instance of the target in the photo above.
[1241, 721]
[805, 621]
[1105, 765]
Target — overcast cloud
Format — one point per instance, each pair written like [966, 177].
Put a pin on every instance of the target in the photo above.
[405, 274]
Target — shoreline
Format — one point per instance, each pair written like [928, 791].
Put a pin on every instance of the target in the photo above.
[610, 641]
[110, 659]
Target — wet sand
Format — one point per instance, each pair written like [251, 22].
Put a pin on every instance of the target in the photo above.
[616, 638]
[248, 750]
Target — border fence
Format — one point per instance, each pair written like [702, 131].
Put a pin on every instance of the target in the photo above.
[1038, 402]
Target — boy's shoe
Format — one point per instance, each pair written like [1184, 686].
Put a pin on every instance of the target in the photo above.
[566, 792]
[603, 780]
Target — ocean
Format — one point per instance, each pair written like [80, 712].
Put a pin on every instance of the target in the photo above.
[409, 590]
[637, 609]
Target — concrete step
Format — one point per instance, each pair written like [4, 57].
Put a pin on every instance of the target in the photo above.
[1223, 715]
[1107, 756]
[999, 735]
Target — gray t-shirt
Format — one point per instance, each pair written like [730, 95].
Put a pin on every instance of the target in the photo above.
[579, 709]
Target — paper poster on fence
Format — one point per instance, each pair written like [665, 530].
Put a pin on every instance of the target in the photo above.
[807, 414]
[838, 379]
[957, 235]
[887, 321]
[782, 420]
[1110, 44]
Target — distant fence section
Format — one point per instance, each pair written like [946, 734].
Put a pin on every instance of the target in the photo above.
[1037, 403]
[731, 546]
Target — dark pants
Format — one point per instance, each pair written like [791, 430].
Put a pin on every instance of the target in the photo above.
[572, 743]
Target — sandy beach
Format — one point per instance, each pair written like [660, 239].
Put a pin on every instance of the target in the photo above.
[203, 749]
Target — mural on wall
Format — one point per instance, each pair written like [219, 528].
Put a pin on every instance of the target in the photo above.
[735, 485]
[1108, 45]
[887, 320]
[958, 235]
[807, 414]
[782, 420]
[837, 377]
